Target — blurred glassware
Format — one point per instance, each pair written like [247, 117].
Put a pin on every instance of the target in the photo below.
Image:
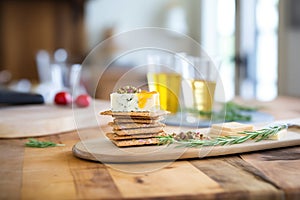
[43, 66]
[22, 85]
[164, 77]
[57, 75]
[76, 86]
[199, 82]
[60, 59]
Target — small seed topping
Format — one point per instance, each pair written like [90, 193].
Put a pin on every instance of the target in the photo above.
[128, 90]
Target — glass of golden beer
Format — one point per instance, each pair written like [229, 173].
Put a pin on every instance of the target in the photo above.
[163, 76]
[199, 83]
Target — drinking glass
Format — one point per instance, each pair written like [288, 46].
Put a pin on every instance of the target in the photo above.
[163, 76]
[199, 82]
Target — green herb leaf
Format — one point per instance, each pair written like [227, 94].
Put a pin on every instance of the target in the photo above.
[41, 144]
[234, 106]
[256, 135]
[230, 112]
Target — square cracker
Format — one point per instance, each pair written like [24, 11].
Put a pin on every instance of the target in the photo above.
[113, 136]
[137, 120]
[134, 117]
[139, 131]
[136, 142]
[126, 126]
[145, 114]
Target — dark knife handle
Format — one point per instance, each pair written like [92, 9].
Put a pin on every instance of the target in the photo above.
[19, 98]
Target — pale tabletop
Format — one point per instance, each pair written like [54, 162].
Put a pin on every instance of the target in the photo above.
[54, 173]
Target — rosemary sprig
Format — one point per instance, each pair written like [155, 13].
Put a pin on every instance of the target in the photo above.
[256, 135]
[41, 144]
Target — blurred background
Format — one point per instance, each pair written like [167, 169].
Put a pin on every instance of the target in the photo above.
[257, 40]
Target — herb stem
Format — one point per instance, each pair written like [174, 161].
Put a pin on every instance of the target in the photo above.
[256, 135]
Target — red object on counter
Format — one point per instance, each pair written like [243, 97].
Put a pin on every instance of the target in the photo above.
[83, 100]
[63, 98]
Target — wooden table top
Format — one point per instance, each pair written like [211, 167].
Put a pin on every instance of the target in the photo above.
[54, 173]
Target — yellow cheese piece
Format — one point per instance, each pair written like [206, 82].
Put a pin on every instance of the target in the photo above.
[143, 98]
[218, 132]
[229, 128]
[232, 127]
[279, 136]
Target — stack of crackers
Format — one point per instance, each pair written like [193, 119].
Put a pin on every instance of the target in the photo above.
[135, 128]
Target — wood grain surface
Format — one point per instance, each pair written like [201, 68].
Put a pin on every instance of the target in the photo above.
[281, 167]
[57, 174]
[40, 120]
[11, 159]
[54, 173]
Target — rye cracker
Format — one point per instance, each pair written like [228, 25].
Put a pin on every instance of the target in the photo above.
[139, 131]
[134, 125]
[138, 121]
[136, 142]
[113, 136]
[133, 117]
[145, 114]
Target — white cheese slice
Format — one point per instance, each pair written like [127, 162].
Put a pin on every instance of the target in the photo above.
[144, 101]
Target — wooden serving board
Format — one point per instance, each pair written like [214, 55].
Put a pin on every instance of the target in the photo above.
[103, 150]
[41, 120]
